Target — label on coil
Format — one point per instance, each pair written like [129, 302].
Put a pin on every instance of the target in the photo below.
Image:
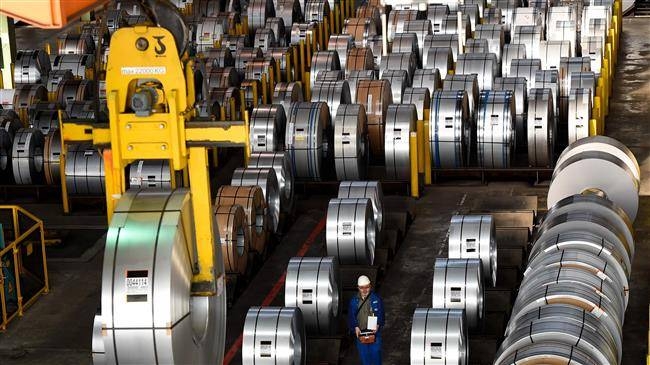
[346, 228]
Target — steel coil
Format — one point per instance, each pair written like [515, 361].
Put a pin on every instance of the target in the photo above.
[458, 24]
[260, 68]
[280, 55]
[400, 122]
[267, 125]
[449, 129]
[84, 170]
[439, 58]
[54, 78]
[233, 235]
[549, 79]
[355, 76]
[150, 174]
[472, 13]
[350, 142]
[27, 156]
[361, 29]
[397, 20]
[518, 86]
[568, 65]
[78, 64]
[474, 237]
[458, 284]
[306, 135]
[45, 120]
[274, 335]
[9, 125]
[375, 95]
[429, 79]
[450, 41]
[548, 351]
[251, 198]
[373, 12]
[82, 43]
[316, 10]
[245, 55]
[494, 36]
[476, 46]
[28, 95]
[259, 11]
[420, 98]
[312, 284]
[530, 36]
[266, 179]
[31, 66]
[495, 125]
[328, 76]
[291, 13]
[564, 31]
[84, 110]
[603, 144]
[341, 44]
[511, 52]
[279, 29]
[265, 38]
[300, 31]
[399, 62]
[507, 9]
[287, 93]
[540, 127]
[279, 162]
[439, 336]
[436, 13]
[359, 59]
[75, 90]
[526, 68]
[375, 43]
[365, 189]
[351, 231]
[334, 93]
[223, 77]
[493, 16]
[583, 80]
[592, 47]
[398, 81]
[323, 61]
[484, 65]
[579, 113]
[421, 28]
[234, 43]
[208, 31]
[551, 52]
[467, 83]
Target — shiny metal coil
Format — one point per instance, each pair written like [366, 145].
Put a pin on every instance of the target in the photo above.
[519, 88]
[291, 13]
[551, 52]
[492, 16]
[26, 96]
[449, 129]
[258, 68]
[341, 44]
[31, 66]
[419, 97]
[436, 13]
[468, 83]
[458, 24]
[150, 174]
[27, 156]
[75, 90]
[351, 231]
[458, 284]
[78, 64]
[439, 336]
[450, 41]
[45, 120]
[421, 28]
[84, 170]
[548, 351]
[334, 93]
[266, 179]
[472, 12]
[350, 142]
[399, 62]
[233, 235]
[530, 36]
[84, 110]
[81, 43]
[400, 122]
[223, 96]
[323, 61]
[259, 11]
[251, 198]
[511, 52]
[279, 54]
[361, 29]
[234, 43]
[568, 65]
[583, 80]
[355, 76]
[540, 127]
[494, 36]
[316, 10]
[245, 55]
[365, 189]
[495, 126]
[375, 95]
[397, 20]
[407, 43]
[429, 79]
[439, 58]
[287, 93]
[305, 138]
[474, 237]
[279, 38]
[475, 45]
[375, 43]
[54, 78]
[484, 65]
[264, 38]
[359, 59]
[526, 68]
[9, 125]
[373, 12]
[398, 80]
[274, 335]
[267, 128]
[223, 77]
[579, 113]
[564, 31]
[312, 284]
[300, 31]
[279, 162]
[208, 31]
[549, 79]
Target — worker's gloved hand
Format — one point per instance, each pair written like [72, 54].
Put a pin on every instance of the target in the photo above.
[357, 331]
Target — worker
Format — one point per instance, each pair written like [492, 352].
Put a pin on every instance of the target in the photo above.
[365, 319]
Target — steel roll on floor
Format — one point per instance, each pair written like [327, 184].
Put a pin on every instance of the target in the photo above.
[460, 25]
[327, 76]
[476, 46]
[245, 55]
[398, 80]
[420, 97]
[399, 61]
[495, 38]
[351, 231]
[375, 43]
[251, 198]
[279, 162]
[429, 79]
[604, 144]
[25, 96]
[511, 52]
[407, 43]
[540, 127]
[359, 59]
[596, 170]
[45, 120]
[31, 66]
[84, 170]
[305, 139]
[234, 43]
[495, 125]
[54, 78]
[27, 156]
[350, 142]
[530, 36]
[233, 235]
[435, 13]
[146, 234]
[299, 32]
[520, 91]
[267, 128]
[449, 129]
[150, 174]
[274, 335]
[265, 38]
[568, 65]
[439, 40]
[323, 61]
[421, 28]
[551, 52]
[548, 351]
[75, 90]
[82, 43]
[333, 93]
[471, 12]
[439, 336]
[290, 11]
[468, 83]
[361, 29]
[222, 96]
[78, 64]
[474, 237]
[373, 12]
[286, 93]
[584, 80]
[365, 189]
[354, 77]
[438, 58]
[316, 10]
[578, 114]
[342, 44]
[312, 285]
[458, 284]
[223, 77]
[400, 122]
[208, 30]
[526, 68]
[375, 95]
[259, 11]
[266, 179]
[257, 68]
[397, 20]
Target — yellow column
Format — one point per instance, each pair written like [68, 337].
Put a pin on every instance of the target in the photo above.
[427, 151]
[413, 145]
[8, 44]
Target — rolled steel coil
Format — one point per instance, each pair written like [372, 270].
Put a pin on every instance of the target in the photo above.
[329, 76]
[439, 336]
[341, 44]
[507, 8]
[27, 156]
[530, 36]
[82, 43]
[351, 231]
[475, 45]
[265, 38]
[527, 16]
[9, 125]
[439, 58]
[208, 8]
[233, 237]
[495, 125]
[267, 124]
[359, 59]
[421, 28]
[472, 13]
[316, 10]
[457, 24]
[429, 79]
[299, 32]
[259, 11]
[583, 80]
[526, 68]
[223, 96]
[26, 96]
[251, 198]
[484, 65]
[551, 52]
[279, 29]
[568, 65]
[208, 31]
[84, 110]
[234, 43]
[245, 55]
[592, 47]
[312, 284]
[280, 54]
[55, 78]
[468, 83]
[596, 170]
[258, 68]
[355, 76]
[603, 144]
[449, 129]
[291, 13]
[365, 189]
[450, 41]
[420, 98]
[334, 93]
[373, 12]
[397, 20]
[45, 120]
[492, 16]
[435, 14]
[287, 93]
[540, 127]
[458, 284]
[84, 170]
[223, 77]
[75, 90]
[375, 95]
[274, 335]
[97, 344]
[133, 20]
[511, 52]
[145, 235]
[518, 86]
[150, 174]
[579, 113]
[564, 31]
[407, 43]
[350, 142]
[266, 179]
[279, 162]
[398, 80]
[78, 64]
[549, 79]
[474, 237]
[400, 122]
[375, 43]
[305, 139]
[560, 352]
[323, 61]
[31, 66]
[494, 36]
[399, 62]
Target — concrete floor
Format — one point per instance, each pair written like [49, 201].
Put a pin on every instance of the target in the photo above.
[57, 329]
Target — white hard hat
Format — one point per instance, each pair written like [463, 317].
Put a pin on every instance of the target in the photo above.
[363, 281]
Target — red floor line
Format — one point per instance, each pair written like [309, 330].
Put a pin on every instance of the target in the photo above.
[232, 352]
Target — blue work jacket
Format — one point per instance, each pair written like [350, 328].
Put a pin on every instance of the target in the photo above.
[377, 306]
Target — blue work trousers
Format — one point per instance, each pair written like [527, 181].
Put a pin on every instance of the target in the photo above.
[370, 354]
